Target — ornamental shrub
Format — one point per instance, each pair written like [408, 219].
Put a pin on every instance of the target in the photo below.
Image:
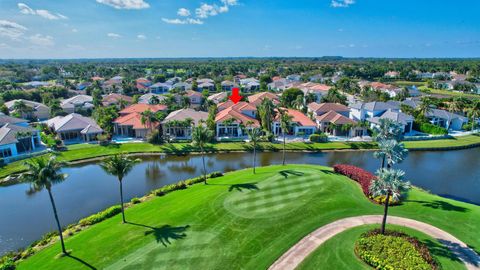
[100, 216]
[394, 250]
[135, 200]
[363, 177]
[318, 138]
[432, 129]
[7, 264]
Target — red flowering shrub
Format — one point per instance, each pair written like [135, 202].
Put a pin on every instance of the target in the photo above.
[363, 177]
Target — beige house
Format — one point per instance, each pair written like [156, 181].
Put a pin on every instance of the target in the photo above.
[179, 124]
[38, 110]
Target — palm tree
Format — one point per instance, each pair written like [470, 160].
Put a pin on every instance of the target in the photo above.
[266, 112]
[119, 166]
[21, 108]
[201, 135]
[285, 123]
[474, 112]
[154, 100]
[389, 183]
[254, 134]
[453, 107]
[387, 129]
[21, 136]
[148, 117]
[44, 173]
[426, 106]
[390, 151]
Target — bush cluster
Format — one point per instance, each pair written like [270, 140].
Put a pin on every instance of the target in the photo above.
[432, 129]
[394, 250]
[318, 138]
[100, 216]
[363, 177]
[183, 184]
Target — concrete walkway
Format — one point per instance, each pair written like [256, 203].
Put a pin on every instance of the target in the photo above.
[295, 255]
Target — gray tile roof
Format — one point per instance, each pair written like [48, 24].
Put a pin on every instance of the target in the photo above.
[5, 119]
[397, 117]
[444, 115]
[73, 122]
[9, 131]
[374, 106]
[183, 114]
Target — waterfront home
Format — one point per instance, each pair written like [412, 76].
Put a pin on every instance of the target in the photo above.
[160, 88]
[36, 110]
[301, 124]
[318, 109]
[116, 99]
[446, 119]
[230, 121]
[279, 85]
[228, 86]
[75, 128]
[150, 98]
[257, 99]
[17, 138]
[178, 124]
[5, 119]
[362, 111]
[405, 120]
[129, 123]
[337, 124]
[77, 103]
[218, 97]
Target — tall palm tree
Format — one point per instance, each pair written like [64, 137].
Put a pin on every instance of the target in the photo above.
[387, 129]
[254, 134]
[389, 183]
[119, 166]
[391, 152]
[454, 106]
[21, 108]
[474, 112]
[285, 123]
[43, 173]
[266, 112]
[426, 106]
[201, 135]
[148, 117]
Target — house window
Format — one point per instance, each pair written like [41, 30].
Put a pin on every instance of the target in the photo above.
[5, 153]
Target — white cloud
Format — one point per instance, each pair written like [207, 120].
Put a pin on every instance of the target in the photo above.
[113, 35]
[183, 12]
[341, 3]
[142, 37]
[42, 40]
[74, 30]
[125, 4]
[179, 21]
[11, 30]
[206, 10]
[25, 9]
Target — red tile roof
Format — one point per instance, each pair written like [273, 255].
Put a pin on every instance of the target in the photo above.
[258, 98]
[115, 98]
[139, 108]
[134, 120]
[233, 113]
[321, 108]
[299, 118]
[335, 118]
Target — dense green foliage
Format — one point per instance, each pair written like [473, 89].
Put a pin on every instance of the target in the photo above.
[432, 129]
[318, 138]
[93, 219]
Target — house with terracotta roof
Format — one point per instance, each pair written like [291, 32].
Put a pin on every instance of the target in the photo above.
[318, 109]
[301, 124]
[319, 90]
[75, 127]
[391, 90]
[116, 99]
[195, 98]
[231, 121]
[143, 84]
[337, 124]
[257, 99]
[114, 84]
[178, 124]
[129, 123]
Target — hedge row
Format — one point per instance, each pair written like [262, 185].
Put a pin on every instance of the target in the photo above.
[432, 129]
[363, 177]
[394, 250]
[101, 216]
[183, 184]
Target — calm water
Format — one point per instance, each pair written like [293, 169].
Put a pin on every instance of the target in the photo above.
[25, 217]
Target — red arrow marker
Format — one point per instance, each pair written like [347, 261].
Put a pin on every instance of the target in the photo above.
[235, 97]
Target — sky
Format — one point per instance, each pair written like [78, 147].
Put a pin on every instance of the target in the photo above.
[42, 29]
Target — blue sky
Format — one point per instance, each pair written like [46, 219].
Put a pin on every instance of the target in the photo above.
[223, 28]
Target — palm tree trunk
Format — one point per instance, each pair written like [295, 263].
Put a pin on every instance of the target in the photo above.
[121, 201]
[204, 168]
[254, 157]
[383, 162]
[58, 222]
[283, 160]
[385, 212]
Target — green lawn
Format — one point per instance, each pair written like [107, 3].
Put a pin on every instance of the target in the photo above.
[87, 151]
[338, 252]
[241, 221]
[448, 93]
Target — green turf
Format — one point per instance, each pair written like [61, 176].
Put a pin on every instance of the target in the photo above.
[241, 221]
[88, 151]
[448, 93]
[338, 252]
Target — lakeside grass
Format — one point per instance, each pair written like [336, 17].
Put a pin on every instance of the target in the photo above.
[80, 152]
[448, 93]
[241, 220]
[338, 252]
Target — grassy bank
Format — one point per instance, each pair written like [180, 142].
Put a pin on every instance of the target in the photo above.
[448, 93]
[241, 220]
[88, 151]
[338, 252]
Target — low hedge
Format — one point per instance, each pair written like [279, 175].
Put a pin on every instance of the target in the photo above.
[394, 250]
[432, 129]
[363, 177]
[183, 184]
[100, 216]
[318, 138]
